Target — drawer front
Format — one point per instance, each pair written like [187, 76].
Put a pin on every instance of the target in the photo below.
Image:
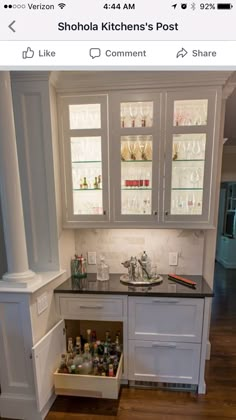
[166, 319]
[91, 308]
[88, 385]
[164, 362]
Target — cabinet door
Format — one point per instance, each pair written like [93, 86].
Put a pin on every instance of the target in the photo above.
[46, 358]
[164, 362]
[166, 319]
[192, 128]
[85, 158]
[135, 156]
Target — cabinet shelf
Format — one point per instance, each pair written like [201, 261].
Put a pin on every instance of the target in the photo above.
[188, 160]
[87, 189]
[86, 161]
[136, 189]
[135, 161]
[187, 189]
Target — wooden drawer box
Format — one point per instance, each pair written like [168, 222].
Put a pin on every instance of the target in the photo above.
[89, 385]
[91, 308]
[165, 319]
[164, 362]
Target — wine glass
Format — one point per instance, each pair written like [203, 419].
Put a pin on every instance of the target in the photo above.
[194, 177]
[144, 112]
[133, 112]
[123, 114]
[132, 149]
[142, 147]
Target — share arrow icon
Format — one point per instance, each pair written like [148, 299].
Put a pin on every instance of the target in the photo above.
[181, 53]
[174, 5]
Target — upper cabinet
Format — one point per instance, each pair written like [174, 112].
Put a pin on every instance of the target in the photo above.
[84, 132]
[190, 154]
[140, 158]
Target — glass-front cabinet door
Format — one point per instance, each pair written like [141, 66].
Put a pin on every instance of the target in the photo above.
[85, 146]
[135, 154]
[190, 123]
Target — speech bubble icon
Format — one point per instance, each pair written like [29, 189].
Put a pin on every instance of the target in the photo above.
[94, 52]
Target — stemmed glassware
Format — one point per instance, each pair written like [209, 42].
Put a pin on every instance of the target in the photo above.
[123, 115]
[144, 112]
[133, 111]
[142, 147]
[132, 146]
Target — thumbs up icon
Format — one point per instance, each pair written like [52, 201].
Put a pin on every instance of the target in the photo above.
[28, 53]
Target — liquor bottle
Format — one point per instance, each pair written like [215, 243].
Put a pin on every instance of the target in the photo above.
[63, 368]
[102, 270]
[110, 370]
[70, 348]
[93, 336]
[87, 360]
[117, 346]
[85, 184]
[95, 184]
[100, 347]
[100, 181]
[78, 359]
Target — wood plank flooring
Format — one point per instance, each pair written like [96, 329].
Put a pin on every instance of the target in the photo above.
[137, 404]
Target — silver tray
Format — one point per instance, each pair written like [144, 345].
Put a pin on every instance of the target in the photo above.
[140, 282]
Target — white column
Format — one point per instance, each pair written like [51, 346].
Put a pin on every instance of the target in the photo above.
[10, 189]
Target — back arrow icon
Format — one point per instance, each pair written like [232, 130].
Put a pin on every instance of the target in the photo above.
[174, 5]
[11, 26]
[181, 53]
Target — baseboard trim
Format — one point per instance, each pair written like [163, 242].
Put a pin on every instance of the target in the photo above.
[208, 350]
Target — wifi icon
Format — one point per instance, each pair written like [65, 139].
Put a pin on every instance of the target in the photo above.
[62, 5]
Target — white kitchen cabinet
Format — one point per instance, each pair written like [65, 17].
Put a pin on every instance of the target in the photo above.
[190, 159]
[46, 356]
[168, 362]
[167, 340]
[92, 307]
[83, 132]
[153, 151]
[165, 319]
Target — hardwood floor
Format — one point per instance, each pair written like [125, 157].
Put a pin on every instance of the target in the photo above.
[137, 404]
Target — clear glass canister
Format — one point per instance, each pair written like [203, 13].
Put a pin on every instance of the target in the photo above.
[102, 270]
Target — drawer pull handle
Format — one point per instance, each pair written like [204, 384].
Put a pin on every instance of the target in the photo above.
[90, 307]
[172, 345]
[165, 301]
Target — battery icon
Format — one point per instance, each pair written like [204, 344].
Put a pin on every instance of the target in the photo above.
[224, 6]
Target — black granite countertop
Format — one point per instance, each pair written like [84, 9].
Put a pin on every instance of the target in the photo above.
[113, 286]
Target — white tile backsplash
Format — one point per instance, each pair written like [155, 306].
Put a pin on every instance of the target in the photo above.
[118, 245]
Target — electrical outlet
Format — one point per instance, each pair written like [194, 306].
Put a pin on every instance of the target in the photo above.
[42, 303]
[173, 258]
[92, 258]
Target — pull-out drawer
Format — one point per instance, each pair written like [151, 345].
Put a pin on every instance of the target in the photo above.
[164, 362]
[92, 308]
[89, 385]
[166, 319]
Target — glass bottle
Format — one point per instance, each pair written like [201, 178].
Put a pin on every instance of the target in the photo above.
[70, 348]
[95, 184]
[85, 184]
[78, 359]
[63, 368]
[87, 360]
[102, 270]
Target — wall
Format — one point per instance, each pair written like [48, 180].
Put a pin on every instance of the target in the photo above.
[118, 245]
[3, 258]
[229, 164]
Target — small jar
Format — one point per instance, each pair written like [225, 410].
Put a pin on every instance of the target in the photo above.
[102, 270]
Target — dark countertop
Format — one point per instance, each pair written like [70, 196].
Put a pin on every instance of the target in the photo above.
[113, 286]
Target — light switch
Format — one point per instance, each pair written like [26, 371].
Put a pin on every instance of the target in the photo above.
[92, 258]
[173, 258]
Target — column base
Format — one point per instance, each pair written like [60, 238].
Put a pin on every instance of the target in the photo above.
[19, 277]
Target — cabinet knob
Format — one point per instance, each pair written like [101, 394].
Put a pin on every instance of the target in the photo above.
[104, 212]
[166, 212]
[155, 213]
